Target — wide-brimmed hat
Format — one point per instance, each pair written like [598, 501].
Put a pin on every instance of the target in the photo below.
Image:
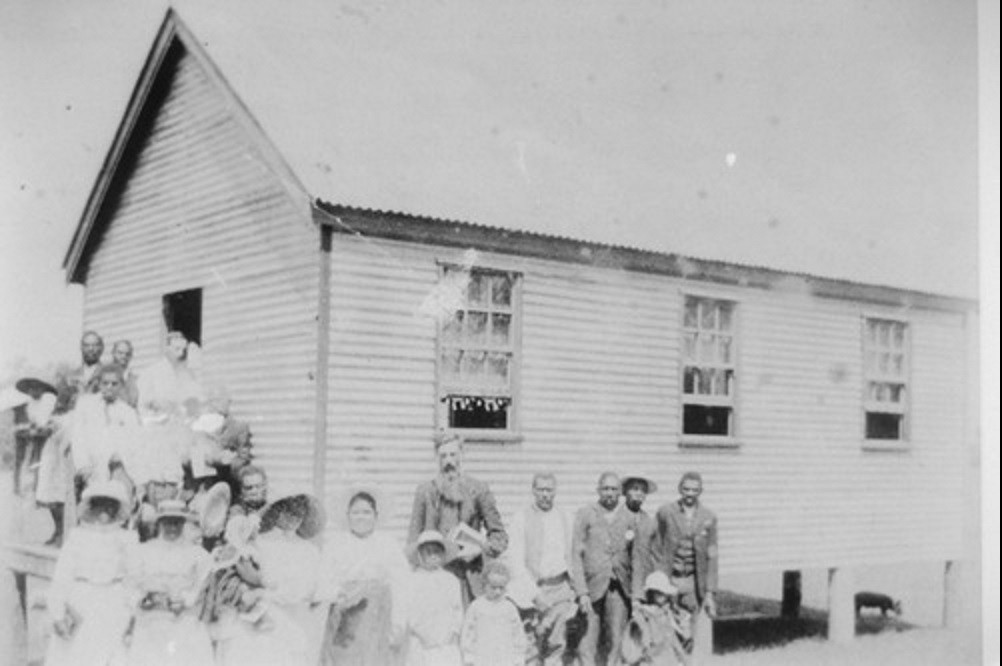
[658, 582]
[110, 489]
[212, 508]
[314, 517]
[29, 385]
[10, 398]
[650, 486]
[173, 509]
[431, 536]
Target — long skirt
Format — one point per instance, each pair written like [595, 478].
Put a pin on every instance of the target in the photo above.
[161, 638]
[359, 635]
[276, 638]
[55, 469]
[99, 637]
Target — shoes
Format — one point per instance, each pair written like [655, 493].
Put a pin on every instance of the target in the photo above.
[55, 541]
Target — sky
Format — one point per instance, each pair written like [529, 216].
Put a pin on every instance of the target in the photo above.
[830, 138]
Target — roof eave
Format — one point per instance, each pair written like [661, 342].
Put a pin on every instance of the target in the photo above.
[451, 233]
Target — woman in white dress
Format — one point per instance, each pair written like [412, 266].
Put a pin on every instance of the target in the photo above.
[286, 628]
[168, 573]
[361, 569]
[89, 601]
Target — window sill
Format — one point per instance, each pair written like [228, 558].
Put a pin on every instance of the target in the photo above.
[886, 445]
[708, 442]
[488, 437]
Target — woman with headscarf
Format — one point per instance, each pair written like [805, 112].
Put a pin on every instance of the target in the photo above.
[284, 627]
[360, 569]
[89, 602]
[167, 574]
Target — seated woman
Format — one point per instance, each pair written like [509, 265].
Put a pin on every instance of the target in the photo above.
[360, 569]
[89, 601]
[284, 627]
[167, 574]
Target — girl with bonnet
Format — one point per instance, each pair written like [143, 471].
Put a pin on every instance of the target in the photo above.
[89, 602]
[167, 574]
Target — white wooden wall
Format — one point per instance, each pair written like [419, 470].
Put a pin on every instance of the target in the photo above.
[201, 210]
[600, 390]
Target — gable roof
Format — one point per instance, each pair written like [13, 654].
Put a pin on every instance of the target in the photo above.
[172, 36]
[611, 128]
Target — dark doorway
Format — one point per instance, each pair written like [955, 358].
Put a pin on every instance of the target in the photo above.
[183, 312]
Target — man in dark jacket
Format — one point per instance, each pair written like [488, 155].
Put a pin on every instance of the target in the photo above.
[463, 509]
[683, 544]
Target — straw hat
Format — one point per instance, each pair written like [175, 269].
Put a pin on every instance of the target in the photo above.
[658, 582]
[650, 486]
[173, 509]
[31, 384]
[314, 517]
[212, 508]
[111, 489]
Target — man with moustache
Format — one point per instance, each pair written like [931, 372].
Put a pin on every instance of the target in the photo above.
[604, 536]
[540, 557]
[121, 355]
[453, 503]
[683, 544]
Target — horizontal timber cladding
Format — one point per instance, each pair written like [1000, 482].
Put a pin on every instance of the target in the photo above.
[600, 389]
[199, 209]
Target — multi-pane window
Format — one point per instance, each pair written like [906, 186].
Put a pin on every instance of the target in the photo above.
[478, 352]
[708, 369]
[885, 358]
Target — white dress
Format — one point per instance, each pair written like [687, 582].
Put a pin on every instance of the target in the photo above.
[288, 633]
[432, 615]
[160, 637]
[364, 575]
[90, 582]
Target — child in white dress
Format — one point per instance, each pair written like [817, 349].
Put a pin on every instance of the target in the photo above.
[493, 634]
[431, 612]
[89, 601]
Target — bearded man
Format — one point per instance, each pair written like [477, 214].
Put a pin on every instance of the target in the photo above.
[463, 509]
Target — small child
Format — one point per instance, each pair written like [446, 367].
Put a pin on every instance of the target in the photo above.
[431, 614]
[492, 632]
[654, 634]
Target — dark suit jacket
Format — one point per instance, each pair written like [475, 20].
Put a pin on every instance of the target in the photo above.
[601, 550]
[477, 508]
[654, 549]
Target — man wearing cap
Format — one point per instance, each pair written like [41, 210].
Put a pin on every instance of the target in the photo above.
[463, 509]
[539, 554]
[604, 534]
[683, 544]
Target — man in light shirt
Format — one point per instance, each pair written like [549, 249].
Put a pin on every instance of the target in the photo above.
[539, 556]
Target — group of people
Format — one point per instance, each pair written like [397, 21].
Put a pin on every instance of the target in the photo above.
[158, 432]
[608, 584]
[180, 558]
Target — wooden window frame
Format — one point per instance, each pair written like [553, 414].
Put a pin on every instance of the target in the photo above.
[511, 434]
[730, 440]
[902, 407]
